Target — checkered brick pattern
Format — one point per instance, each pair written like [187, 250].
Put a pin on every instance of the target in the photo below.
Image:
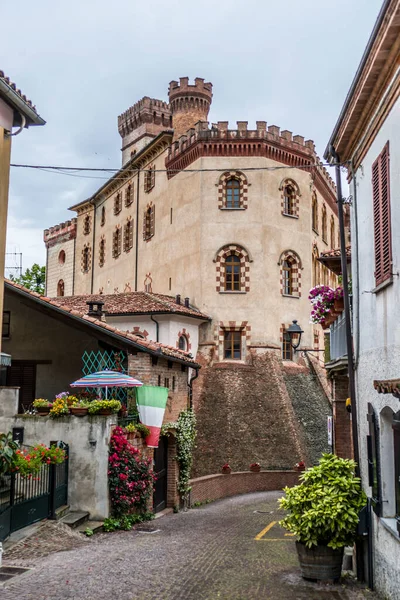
[244, 267]
[186, 335]
[223, 326]
[243, 190]
[296, 195]
[296, 266]
[140, 332]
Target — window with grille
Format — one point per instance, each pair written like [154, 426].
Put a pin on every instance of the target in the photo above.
[86, 225]
[233, 345]
[232, 269]
[314, 211]
[182, 342]
[287, 350]
[149, 222]
[118, 203]
[324, 225]
[102, 252]
[381, 215]
[332, 232]
[117, 242]
[289, 196]
[128, 235]
[85, 259]
[5, 332]
[129, 194]
[149, 179]
[103, 216]
[232, 193]
[287, 277]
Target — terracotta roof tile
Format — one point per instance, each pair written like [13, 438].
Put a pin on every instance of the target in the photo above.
[20, 94]
[335, 253]
[131, 303]
[163, 349]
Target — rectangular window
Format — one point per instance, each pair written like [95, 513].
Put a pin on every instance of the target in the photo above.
[118, 203]
[149, 179]
[287, 350]
[166, 382]
[381, 214]
[233, 345]
[5, 332]
[129, 194]
[159, 381]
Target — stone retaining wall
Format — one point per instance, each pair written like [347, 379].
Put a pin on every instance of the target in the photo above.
[214, 487]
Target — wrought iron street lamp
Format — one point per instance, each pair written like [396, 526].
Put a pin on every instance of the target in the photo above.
[294, 331]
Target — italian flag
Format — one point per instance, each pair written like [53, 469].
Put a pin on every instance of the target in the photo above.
[151, 402]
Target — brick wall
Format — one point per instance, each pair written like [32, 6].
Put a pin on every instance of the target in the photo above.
[140, 365]
[244, 415]
[213, 487]
[343, 442]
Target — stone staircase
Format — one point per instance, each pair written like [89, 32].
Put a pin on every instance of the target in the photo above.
[78, 519]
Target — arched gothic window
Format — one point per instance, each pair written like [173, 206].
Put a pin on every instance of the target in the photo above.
[182, 343]
[324, 225]
[232, 273]
[232, 193]
[128, 235]
[86, 225]
[61, 257]
[291, 266]
[103, 216]
[288, 200]
[149, 222]
[117, 242]
[60, 288]
[332, 232]
[86, 259]
[102, 252]
[314, 211]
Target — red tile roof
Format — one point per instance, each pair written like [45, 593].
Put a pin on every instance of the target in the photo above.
[168, 352]
[131, 303]
[335, 253]
[20, 94]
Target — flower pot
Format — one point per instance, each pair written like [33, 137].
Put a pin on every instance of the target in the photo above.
[256, 469]
[43, 411]
[79, 411]
[226, 471]
[132, 435]
[105, 412]
[320, 563]
[338, 305]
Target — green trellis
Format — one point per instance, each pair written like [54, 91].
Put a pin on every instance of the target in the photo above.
[99, 360]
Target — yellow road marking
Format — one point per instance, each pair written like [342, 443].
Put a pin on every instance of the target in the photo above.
[290, 534]
[265, 530]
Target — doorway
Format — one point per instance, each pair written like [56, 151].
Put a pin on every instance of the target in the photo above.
[22, 374]
[161, 472]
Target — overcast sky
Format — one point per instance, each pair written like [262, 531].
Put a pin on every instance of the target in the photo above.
[83, 62]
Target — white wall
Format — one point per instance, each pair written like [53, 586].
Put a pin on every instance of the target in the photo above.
[377, 338]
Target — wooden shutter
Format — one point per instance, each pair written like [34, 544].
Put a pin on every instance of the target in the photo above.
[152, 220]
[119, 241]
[381, 212]
[374, 468]
[130, 237]
[23, 375]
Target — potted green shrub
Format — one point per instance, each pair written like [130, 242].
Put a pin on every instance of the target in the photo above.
[323, 512]
[80, 408]
[42, 406]
[104, 407]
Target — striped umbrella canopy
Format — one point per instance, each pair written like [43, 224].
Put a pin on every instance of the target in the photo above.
[107, 379]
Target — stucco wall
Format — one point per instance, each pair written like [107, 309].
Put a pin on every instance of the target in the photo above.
[377, 338]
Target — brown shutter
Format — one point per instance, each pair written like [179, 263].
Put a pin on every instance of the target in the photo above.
[152, 220]
[144, 224]
[130, 238]
[119, 231]
[381, 213]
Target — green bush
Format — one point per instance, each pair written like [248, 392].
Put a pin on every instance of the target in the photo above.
[126, 522]
[324, 508]
[97, 405]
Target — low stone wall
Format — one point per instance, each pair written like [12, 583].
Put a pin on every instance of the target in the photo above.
[213, 487]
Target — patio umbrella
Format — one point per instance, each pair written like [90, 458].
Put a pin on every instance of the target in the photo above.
[107, 379]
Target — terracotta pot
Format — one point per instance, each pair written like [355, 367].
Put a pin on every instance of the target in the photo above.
[43, 411]
[105, 412]
[79, 411]
[338, 305]
[255, 469]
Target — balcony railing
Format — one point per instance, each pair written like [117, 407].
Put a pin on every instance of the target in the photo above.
[338, 345]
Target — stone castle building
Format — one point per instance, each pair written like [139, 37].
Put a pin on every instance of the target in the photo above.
[233, 220]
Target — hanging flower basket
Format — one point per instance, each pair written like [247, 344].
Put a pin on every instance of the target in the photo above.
[338, 305]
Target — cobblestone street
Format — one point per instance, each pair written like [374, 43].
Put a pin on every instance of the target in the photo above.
[208, 553]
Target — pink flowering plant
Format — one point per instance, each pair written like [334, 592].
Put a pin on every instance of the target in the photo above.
[130, 477]
[322, 298]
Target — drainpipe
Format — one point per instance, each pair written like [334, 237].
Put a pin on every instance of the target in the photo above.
[137, 232]
[190, 386]
[94, 241]
[349, 340]
[157, 327]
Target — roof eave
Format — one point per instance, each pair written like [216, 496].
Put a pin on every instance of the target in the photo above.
[333, 139]
[11, 97]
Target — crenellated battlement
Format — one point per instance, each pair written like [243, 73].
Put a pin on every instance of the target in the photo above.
[189, 103]
[60, 233]
[146, 110]
[265, 140]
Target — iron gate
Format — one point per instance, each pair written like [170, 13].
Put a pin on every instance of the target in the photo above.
[24, 500]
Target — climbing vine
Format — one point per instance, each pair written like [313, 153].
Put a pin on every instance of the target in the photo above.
[185, 438]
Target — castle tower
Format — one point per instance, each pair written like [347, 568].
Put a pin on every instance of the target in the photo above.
[141, 123]
[188, 103]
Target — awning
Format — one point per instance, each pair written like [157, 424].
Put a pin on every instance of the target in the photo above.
[5, 359]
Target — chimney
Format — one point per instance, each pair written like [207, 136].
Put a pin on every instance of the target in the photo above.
[187, 302]
[95, 309]
[178, 299]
